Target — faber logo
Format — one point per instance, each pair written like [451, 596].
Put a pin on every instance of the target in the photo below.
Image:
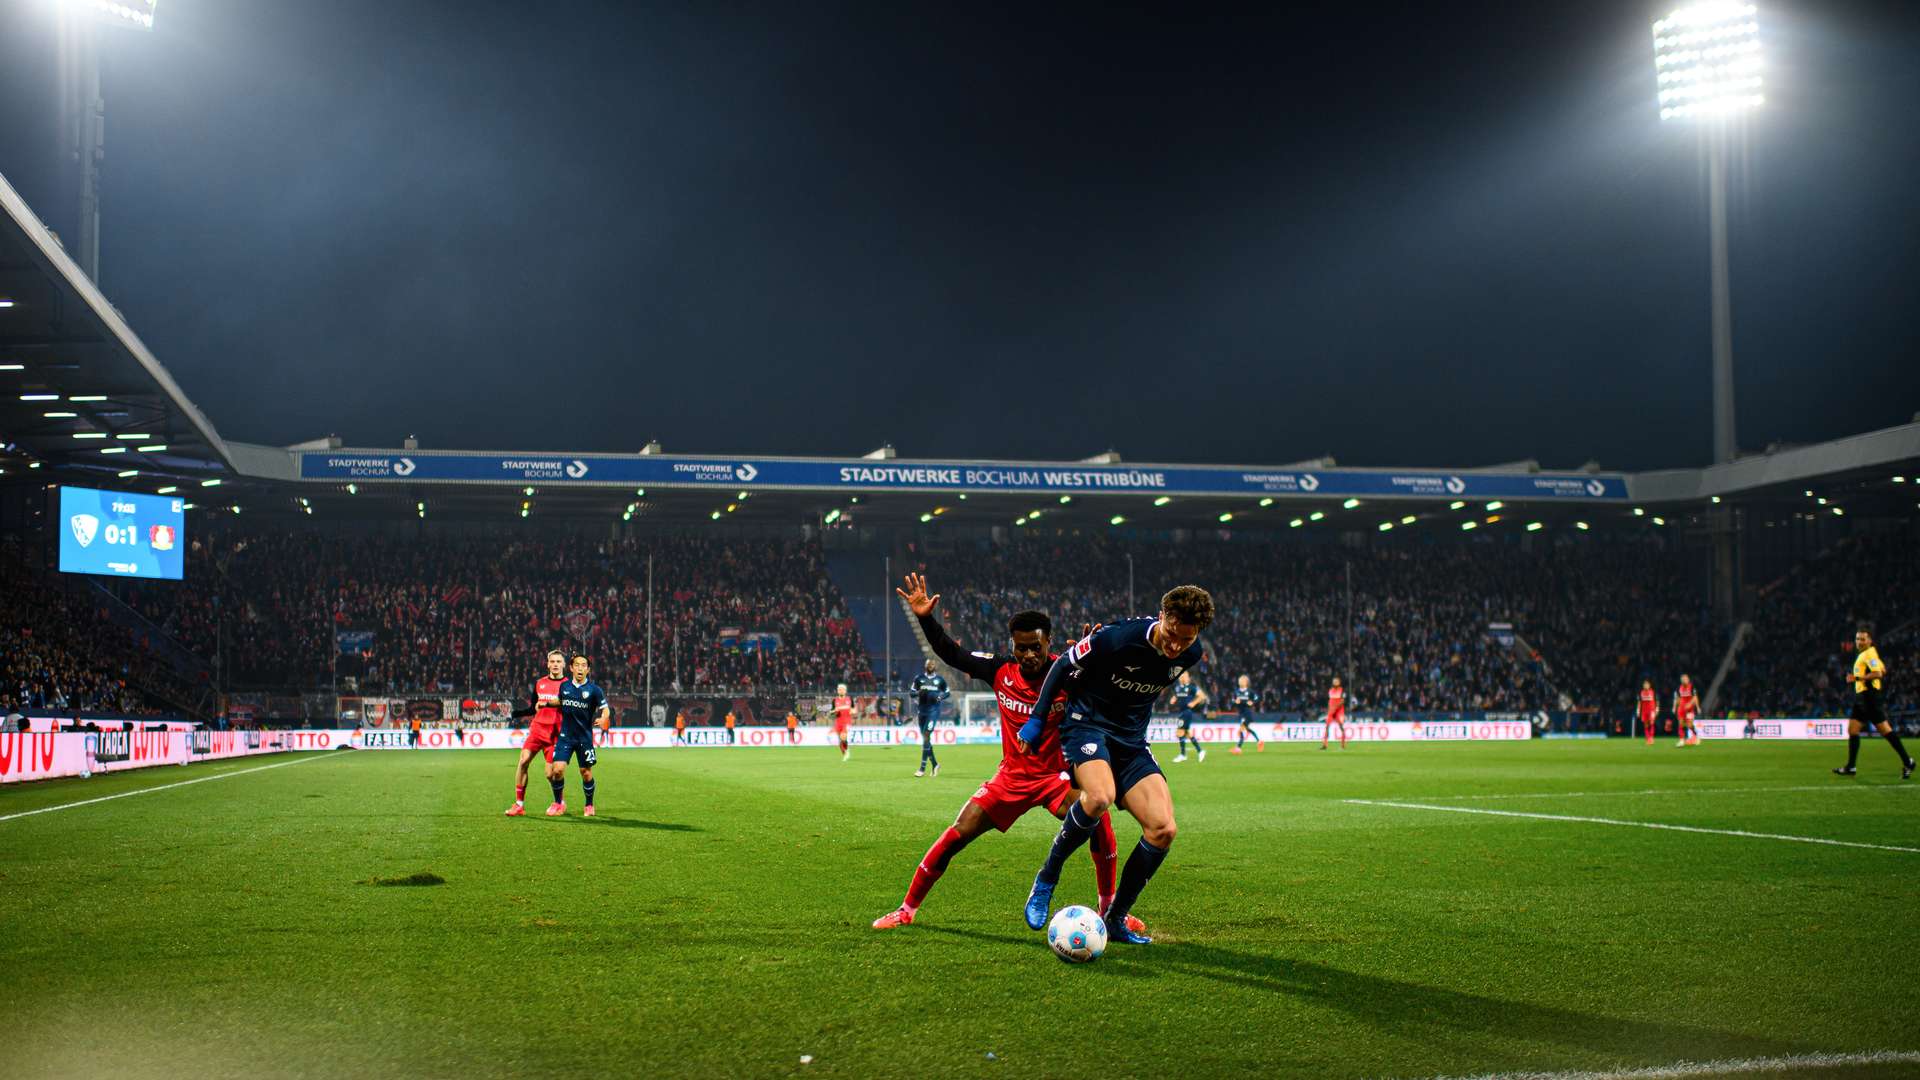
[1596, 488]
[85, 527]
[1455, 485]
[403, 467]
[1309, 482]
[746, 472]
[576, 469]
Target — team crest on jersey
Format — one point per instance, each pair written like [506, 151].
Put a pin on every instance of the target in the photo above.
[1174, 672]
[1089, 749]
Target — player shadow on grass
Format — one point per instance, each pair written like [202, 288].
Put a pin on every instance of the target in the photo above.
[611, 822]
[1461, 1021]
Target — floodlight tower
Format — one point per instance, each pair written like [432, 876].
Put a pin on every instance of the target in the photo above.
[84, 112]
[1706, 62]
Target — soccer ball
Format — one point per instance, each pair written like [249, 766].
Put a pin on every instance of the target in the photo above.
[1077, 934]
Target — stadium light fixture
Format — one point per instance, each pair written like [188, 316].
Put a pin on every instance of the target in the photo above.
[1268, 501]
[855, 500]
[102, 435]
[1581, 525]
[168, 490]
[1116, 520]
[1351, 503]
[236, 509]
[938, 510]
[1469, 526]
[963, 496]
[1809, 493]
[215, 482]
[1899, 479]
[524, 512]
[1493, 519]
[528, 491]
[640, 492]
[130, 437]
[419, 506]
[1457, 504]
[353, 489]
[1534, 526]
[114, 450]
[1033, 513]
[1162, 501]
[1296, 523]
[1707, 60]
[1822, 500]
[1716, 500]
[832, 516]
[13, 367]
[1837, 512]
[126, 473]
[39, 397]
[924, 518]
[1316, 515]
[88, 397]
[1226, 517]
[1495, 505]
[61, 415]
[1065, 499]
[742, 496]
[6, 301]
[1659, 521]
[1638, 512]
[1409, 519]
[1386, 526]
[33, 464]
[716, 515]
[1019, 521]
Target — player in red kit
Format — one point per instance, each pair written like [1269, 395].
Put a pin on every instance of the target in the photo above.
[1685, 707]
[1649, 708]
[543, 704]
[842, 719]
[1023, 781]
[1336, 714]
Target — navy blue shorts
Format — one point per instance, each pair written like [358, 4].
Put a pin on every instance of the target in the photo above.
[1130, 764]
[1246, 718]
[569, 746]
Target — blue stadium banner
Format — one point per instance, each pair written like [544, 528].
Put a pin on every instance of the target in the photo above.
[797, 474]
[120, 534]
[353, 642]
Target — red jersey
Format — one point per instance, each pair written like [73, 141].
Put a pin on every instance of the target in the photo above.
[1015, 695]
[843, 705]
[1683, 700]
[546, 702]
[1648, 704]
[1336, 700]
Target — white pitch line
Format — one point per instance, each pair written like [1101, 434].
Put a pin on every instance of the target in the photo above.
[1635, 824]
[162, 787]
[1682, 1069]
[1842, 786]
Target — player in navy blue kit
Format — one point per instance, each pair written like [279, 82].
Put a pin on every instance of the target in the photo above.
[1187, 696]
[1245, 700]
[929, 690]
[1110, 680]
[583, 707]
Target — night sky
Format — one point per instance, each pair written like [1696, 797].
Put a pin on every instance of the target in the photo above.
[1446, 234]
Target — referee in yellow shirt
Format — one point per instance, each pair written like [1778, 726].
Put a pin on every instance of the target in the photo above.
[1869, 710]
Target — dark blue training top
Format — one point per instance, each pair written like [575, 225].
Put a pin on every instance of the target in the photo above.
[929, 690]
[1183, 695]
[1245, 699]
[1110, 681]
[579, 705]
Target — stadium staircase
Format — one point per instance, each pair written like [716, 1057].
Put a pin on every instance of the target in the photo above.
[188, 666]
[861, 578]
[1739, 641]
[1522, 653]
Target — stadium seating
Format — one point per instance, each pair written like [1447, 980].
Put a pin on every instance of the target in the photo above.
[59, 654]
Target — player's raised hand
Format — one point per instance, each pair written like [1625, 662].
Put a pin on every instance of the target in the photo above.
[1088, 629]
[915, 594]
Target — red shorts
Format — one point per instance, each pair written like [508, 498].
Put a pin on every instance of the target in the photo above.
[1337, 716]
[1004, 798]
[540, 737]
[1685, 716]
[841, 723]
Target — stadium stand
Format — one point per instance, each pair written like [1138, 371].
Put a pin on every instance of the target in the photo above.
[61, 653]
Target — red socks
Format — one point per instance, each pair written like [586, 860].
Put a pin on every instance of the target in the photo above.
[934, 863]
[1106, 857]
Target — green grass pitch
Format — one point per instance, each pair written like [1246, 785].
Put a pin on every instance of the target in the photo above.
[714, 920]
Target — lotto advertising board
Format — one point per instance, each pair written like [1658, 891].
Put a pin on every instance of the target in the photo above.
[41, 755]
[1773, 729]
[119, 534]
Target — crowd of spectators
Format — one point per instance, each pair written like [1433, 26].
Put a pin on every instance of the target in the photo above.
[1798, 658]
[475, 614]
[1591, 617]
[59, 653]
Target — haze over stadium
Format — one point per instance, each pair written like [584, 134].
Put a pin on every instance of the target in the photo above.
[739, 402]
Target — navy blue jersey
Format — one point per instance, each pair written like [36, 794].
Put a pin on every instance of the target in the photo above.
[1183, 695]
[1110, 681]
[580, 704]
[1246, 699]
[929, 690]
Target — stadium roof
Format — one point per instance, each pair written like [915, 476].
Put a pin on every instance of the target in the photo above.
[75, 381]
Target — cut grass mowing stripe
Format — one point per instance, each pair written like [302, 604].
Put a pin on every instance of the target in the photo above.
[1840, 786]
[1682, 1069]
[162, 787]
[1635, 824]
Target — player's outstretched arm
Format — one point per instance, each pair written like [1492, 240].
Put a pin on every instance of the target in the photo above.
[980, 666]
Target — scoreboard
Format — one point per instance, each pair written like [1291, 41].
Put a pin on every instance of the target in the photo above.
[120, 534]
